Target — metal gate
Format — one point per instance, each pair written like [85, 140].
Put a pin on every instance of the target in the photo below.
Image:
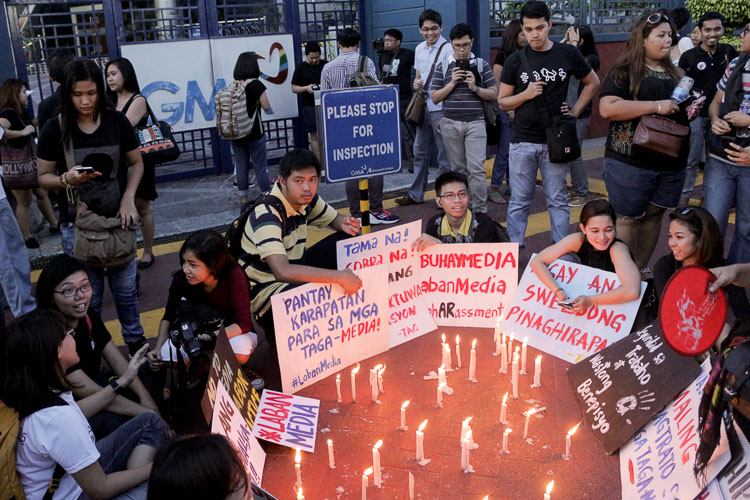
[96, 29]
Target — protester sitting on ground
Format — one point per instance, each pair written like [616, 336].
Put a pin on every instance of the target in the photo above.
[202, 467]
[64, 286]
[458, 224]
[35, 352]
[597, 246]
[210, 285]
[695, 240]
[273, 244]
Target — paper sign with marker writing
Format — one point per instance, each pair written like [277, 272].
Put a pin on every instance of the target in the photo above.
[469, 284]
[567, 334]
[408, 317]
[287, 420]
[658, 461]
[228, 422]
[320, 329]
[734, 481]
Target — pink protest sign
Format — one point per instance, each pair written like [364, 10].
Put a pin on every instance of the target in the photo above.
[287, 420]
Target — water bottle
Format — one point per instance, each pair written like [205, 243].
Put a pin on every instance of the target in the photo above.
[744, 108]
[682, 90]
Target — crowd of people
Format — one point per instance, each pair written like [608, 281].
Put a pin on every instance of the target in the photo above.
[97, 428]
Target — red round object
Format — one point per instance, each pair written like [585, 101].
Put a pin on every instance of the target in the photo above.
[691, 317]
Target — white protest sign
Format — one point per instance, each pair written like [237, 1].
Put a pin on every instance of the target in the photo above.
[561, 332]
[228, 422]
[320, 330]
[407, 315]
[469, 284]
[734, 482]
[287, 420]
[658, 461]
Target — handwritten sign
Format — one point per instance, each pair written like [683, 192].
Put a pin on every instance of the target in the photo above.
[408, 317]
[734, 481]
[320, 330]
[469, 284]
[228, 422]
[658, 461]
[287, 420]
[226, 369]
[627, 383]
[564, 333]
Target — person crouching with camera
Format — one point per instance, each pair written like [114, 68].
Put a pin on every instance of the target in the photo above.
[210, 289]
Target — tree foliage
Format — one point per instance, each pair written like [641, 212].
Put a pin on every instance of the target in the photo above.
[736, 12]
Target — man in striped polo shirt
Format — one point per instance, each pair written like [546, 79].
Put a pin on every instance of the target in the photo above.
[462, 86]
[273, 243]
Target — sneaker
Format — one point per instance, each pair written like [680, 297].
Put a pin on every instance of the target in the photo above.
[580, 201]
[406, 200]
[384, 217]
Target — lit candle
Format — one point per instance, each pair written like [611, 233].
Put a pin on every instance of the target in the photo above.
[524, 346]
[486, 497]
[473, 362]
[458, 350]
[504, 409]
[380, 379]
[440, 394]
[338, 387]
[496, 338]
[442, 379]
[507, 431]
[446, 354]
[510, 345]
[297, 467]
[420, 441]
[354, 388]
[374, 381]
[376, 477]
[547, 493]
[465, 427]
[465, 451]
[526, 425]
[411, 486]
[514, 376]
[365, 482]
[403, 426]
[331, 462]
[567, 440]
[503, 358]
[300, 496]
[537, 372]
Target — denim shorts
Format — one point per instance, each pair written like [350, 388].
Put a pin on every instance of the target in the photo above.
[631, 189]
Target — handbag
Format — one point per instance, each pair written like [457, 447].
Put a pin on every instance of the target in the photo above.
[418, 104]
[157, 143]
[19, 165]
[562, 138]
[660, 135]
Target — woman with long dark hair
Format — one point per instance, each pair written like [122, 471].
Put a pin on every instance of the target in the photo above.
[124, 91]
[641, 184]
[18, 142]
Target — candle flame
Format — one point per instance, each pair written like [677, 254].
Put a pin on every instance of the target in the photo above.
[515, 351]
[442, 367]
[422, 425]
[474, 344]
[405, 404]
[297, 456]
[378, 367]
[378, 444]
[299, 493]
[549, 487]
[380, 372]
[443, 338]
[574, 429]
[467, 420]
[539, 358]
[330, 441]
[526, 340]
[355, 370]
[508, 430]
[531, 411]
[505, 398]
[458, 339]
[486, 497]
[338, 376]
[468, 435]
[367, 471]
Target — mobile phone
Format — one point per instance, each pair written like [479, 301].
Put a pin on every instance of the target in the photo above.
[316, 87]
[462, 64]
[85, 170]
[567, 304]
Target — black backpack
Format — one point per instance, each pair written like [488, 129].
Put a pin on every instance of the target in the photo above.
[361, 78]
[236, 229]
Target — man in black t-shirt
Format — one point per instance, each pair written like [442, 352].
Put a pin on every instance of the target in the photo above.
[394, 67]
[305, 80]
[551, 65]
[705, 64]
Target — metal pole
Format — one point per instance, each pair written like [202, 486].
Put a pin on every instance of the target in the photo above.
[364, 205]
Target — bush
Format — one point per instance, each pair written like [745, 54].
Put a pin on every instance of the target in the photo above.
[736, 12]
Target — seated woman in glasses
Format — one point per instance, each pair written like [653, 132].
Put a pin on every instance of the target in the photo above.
[695, 240]
[64, 286]
[458, 224]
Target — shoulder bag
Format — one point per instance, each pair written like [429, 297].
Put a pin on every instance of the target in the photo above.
[660, 135]
[19, 165]
[418, 105]
[156, 139]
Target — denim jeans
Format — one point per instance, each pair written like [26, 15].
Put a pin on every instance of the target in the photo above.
[374, 194]
[428, 135]
[631, 188]
[579, 180]
[500, 167]
[67, 237]
[123, 287]
[698, 130]
[244, 152]
[725, 183]
[525, 159]
[14, 264]
[115, 449]
[466, 146]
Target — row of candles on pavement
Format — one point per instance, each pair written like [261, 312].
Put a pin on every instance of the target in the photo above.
[504, 350]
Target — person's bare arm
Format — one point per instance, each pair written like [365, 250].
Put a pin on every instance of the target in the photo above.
[348, 224]
[497, 70]
[119, 365]
[737, 274]
[127, 213]
[297, 274]
[15, 134]
[440, 94]
[590, 85]
[540, 263]
[302, 89]
[137, 110]
[83, 386]
[264, 102]
[96, 484]
[630, 281]
[617, 109]
[508, 101]
[154, 355]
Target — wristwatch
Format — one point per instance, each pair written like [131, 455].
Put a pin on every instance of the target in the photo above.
[115, 386]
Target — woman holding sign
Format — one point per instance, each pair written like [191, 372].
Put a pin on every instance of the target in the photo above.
[597, 246]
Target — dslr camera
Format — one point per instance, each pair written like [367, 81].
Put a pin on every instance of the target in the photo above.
[184, 333]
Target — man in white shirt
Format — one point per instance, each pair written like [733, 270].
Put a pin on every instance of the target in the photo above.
[434, 50]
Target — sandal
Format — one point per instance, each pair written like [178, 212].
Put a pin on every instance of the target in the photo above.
[496, 197]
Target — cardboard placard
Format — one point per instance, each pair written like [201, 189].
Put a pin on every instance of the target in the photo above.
[228, 422]
[621, 387]
[391, 248]
[469, 284]
[320, 329]
[561, 332]
[658, 461]
[734, 481]
[290, 421]
[226, 368]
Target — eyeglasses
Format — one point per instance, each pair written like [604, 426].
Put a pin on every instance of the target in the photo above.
[656, 18]
[425, 29]
[462, 46]
[463, 195]
[70, 332]
[389, 39]
[73, 291]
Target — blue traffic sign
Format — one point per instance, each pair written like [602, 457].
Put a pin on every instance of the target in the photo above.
[361, 132]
